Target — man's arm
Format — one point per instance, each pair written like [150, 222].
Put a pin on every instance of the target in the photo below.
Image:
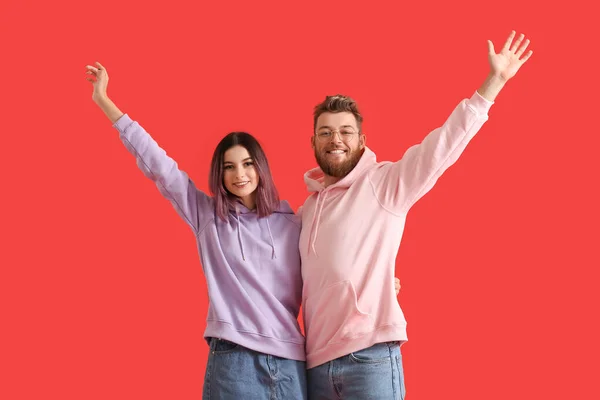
[399, 185]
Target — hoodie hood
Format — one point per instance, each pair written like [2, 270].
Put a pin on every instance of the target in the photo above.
[314, 179]
[240, 210]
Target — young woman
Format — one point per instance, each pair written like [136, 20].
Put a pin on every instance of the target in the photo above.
[248, 243]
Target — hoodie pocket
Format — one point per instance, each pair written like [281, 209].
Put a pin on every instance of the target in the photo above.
[333, 315]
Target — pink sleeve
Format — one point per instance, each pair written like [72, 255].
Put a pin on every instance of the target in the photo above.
[399, 185]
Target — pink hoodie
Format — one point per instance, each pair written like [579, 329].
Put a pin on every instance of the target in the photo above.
[351, 232]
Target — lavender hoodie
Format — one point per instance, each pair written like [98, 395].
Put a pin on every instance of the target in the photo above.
[251, 264]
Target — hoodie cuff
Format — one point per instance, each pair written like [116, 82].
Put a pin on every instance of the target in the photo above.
[480, 104]
[122, 123]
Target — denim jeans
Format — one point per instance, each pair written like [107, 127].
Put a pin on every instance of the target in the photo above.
[372, 373]
[234, 372]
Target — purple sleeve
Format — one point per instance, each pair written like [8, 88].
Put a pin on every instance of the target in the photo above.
[191, 204]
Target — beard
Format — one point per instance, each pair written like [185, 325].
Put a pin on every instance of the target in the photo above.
[338, 169]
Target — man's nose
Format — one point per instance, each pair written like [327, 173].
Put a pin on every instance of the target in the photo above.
[336, 137]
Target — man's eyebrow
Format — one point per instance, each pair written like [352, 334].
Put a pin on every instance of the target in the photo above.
[329, 127]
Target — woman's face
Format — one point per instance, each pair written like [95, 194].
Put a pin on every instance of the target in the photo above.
[240, 176]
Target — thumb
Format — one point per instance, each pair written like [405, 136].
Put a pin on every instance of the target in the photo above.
[491, 47]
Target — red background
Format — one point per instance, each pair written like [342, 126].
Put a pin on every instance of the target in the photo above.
[101, 289]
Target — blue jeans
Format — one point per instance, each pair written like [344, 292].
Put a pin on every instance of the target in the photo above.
[372, 373]
[234, 372]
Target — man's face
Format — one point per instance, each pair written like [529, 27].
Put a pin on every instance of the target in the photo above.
[337, 143]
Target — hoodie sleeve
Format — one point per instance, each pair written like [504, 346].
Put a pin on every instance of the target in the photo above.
[191, 204]
[400, 185]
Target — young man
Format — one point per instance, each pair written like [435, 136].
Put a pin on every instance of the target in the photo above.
[352, 226]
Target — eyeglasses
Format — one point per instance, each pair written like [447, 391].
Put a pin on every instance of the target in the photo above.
[346, 135]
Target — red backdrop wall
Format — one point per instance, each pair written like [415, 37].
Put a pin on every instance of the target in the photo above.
[101, 289]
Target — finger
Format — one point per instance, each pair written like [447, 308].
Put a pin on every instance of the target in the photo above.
[100, 66]
[491, 47]
[89, 67]
[522, 49]
[91, 73]
[90, 79]
[515, 46]
[529, 53]
[509, 41]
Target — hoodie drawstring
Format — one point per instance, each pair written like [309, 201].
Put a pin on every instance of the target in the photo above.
[239, 232]
[273, 255]
[240, 236]
[315, 225]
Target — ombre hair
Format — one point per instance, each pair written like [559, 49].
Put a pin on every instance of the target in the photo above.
[267, 197]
